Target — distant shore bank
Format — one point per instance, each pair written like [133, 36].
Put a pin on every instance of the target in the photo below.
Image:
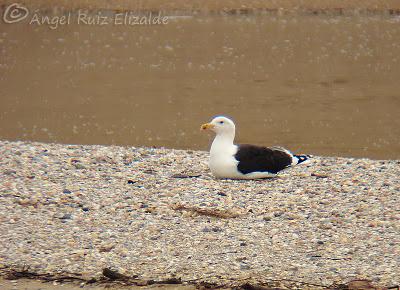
[224, 6]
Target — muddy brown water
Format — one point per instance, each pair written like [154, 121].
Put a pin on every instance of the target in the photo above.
[316, 84]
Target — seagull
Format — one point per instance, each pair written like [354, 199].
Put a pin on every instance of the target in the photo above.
[245, 161]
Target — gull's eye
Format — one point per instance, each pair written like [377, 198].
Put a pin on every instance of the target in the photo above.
[221, 122]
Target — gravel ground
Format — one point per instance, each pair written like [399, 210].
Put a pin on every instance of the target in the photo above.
[158, 213]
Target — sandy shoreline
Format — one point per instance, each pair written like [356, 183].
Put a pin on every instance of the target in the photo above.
[158, 214]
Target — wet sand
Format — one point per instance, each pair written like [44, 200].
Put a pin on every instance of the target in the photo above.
[30, 284]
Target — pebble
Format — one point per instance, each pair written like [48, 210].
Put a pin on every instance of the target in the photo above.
[66, 216]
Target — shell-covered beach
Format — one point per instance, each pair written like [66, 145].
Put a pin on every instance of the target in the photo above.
[154, 214]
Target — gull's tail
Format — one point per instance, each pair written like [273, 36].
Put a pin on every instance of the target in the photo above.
[297, 159]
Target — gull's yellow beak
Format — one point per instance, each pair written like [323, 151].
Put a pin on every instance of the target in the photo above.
[206, 126]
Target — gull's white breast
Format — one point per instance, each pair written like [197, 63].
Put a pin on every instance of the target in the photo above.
[222, 161]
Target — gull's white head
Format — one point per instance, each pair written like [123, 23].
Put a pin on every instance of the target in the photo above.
[220, 125]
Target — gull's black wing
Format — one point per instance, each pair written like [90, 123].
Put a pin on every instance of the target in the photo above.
[263, 159]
